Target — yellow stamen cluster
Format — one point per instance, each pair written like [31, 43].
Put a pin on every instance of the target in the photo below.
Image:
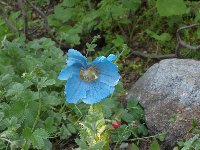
[89, 74]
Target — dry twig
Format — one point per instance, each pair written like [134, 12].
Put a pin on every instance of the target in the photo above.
[5, 18]
[180, 43]
[47, 27]
[153, 56]
[22, 6]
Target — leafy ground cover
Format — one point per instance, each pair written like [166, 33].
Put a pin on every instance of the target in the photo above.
[35, 36]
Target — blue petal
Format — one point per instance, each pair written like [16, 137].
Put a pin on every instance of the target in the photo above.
[111, 57]
[97, 92]
[67, 72]
[101, 58]
[75, 89]
[74, 57]
[108, 71]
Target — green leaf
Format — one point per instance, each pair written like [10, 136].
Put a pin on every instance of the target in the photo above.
[64, 14]
[161, 136]
[121, 133]
[118, 41]
[189, 144]
[47, 145]
[15, 90]
[27, 133]
[134, 147]
[71, 128]
[171, 7]
[64, 132]
[132, 4]
[17, 109]
[51, 99]
[30, 113]
[82, 144]
[44, 82]
[107, 112]
[164, 37]
[38, 137]
[154, 145]
[49, 125]
[69, 3]
[127, 117]
[142, 129]
[98, 146]
[135, 110]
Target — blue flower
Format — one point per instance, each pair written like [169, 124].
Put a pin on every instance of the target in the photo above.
[90, 82]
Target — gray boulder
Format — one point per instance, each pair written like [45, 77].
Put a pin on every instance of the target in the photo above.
[170, 94]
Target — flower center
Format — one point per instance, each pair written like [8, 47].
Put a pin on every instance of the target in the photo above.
[89, 74]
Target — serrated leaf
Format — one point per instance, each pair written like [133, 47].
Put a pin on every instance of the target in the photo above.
[49, 125]
[12, 122]
[121, 133]
[154, 145]
[98, 146]
[142, 129]
[27, 84]
[161, 136]
[30, 113]
[64, 14]
[15, 90]
[189, 143]
[38, 137]
[44, 82]
[64, 132]
[132, 103]
[52, 98]
[47, 145]
[71, 128]
[41, 133]
[27, 133]
[171, 7]
[127, 117]
[132, 4]
[118, 41]
[17, 109]
[164, 37]
[82, 144]
[107, 111]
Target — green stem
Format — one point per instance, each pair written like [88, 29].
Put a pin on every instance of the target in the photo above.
[36, 119]
[78, 110]
[38, 113]
[7, 140]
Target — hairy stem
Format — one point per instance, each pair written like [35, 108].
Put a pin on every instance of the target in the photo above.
[38, 113]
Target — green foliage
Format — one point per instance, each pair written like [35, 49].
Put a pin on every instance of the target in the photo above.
[171, 7]
[32, 107]
[33, 111]
[154, 145]
[133, 115]
[91, 46]
[94, 133]
[193, 142]
[164, 37]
